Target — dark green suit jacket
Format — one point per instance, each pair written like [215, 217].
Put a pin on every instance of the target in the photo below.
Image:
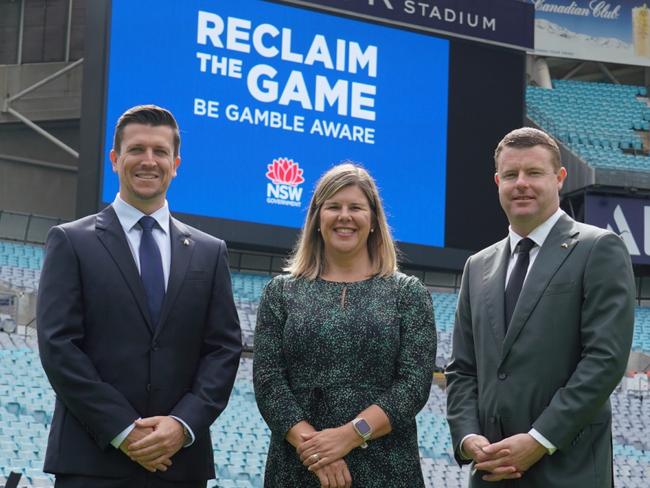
[565, 351]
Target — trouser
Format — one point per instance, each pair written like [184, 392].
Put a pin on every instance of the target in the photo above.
[139, 480]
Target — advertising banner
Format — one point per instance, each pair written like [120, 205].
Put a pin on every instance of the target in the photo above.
[504, 22]
[626, 216]
[269, 96]
[596, 30]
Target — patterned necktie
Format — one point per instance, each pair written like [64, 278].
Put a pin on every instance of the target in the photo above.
[517, 277]
[151, 270]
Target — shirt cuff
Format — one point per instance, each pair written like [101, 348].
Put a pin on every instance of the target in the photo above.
[190, 441]
[548, 445]
[461, 451]
[119, 438]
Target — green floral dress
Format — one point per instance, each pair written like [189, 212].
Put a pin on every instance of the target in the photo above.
[324, 351]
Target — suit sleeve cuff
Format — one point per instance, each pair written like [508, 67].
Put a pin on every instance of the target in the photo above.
[119, 438]
[461, 451]
[548, 445]
[189, 435]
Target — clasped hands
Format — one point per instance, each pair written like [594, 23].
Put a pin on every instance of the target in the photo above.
[506, 459]
[322, 452]
[153, 441]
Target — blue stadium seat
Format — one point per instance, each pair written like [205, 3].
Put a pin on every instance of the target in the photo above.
[595, 120]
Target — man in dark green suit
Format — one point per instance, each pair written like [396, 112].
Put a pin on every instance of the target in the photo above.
[528, 397]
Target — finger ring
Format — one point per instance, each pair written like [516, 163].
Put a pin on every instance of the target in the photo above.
[315, 456]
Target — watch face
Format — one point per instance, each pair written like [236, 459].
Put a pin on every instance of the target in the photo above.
[363, 427]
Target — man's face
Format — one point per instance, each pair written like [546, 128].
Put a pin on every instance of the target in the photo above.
[529, 186]
[145, 164]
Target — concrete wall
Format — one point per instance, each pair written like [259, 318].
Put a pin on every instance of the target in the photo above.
[59, 99]
[28, 186]
[36, 176]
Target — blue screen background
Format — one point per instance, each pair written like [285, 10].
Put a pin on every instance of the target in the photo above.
[153, 59]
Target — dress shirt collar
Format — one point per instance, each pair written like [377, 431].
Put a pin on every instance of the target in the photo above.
[129, 216]
[538, 234]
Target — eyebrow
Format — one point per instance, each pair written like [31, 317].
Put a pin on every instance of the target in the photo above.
[353, 202]
[142, 144]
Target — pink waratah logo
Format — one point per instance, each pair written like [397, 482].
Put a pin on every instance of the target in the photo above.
[284, 171]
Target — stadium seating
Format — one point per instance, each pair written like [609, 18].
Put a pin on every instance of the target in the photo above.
[240, 435]
[20, 265]
[247, 289]
[598, 121]
[444, 307]
[641, 341]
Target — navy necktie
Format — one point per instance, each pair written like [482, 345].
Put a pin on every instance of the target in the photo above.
[517, 277]
[151, 270]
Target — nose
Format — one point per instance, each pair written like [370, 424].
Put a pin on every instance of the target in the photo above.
[344, 213]
[148, 156]
[521, 179]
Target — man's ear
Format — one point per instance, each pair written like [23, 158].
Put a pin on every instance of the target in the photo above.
[177, 163]
[113, 157]
[561, 176]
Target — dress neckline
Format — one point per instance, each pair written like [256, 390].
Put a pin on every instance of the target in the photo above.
[347, 283]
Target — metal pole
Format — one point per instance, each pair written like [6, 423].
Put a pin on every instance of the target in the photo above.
[21, 29]
[38, 163]
[608, 73]
[69, 29]
[573, 71]
[43, 132]
[45, 80]
[29, 221]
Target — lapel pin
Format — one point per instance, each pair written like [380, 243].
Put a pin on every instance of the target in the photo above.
[186, 242]
[565, 245]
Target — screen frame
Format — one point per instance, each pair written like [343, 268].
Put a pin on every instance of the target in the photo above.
[488, 223]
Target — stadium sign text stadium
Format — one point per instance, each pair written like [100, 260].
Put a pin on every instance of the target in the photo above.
[504, 22]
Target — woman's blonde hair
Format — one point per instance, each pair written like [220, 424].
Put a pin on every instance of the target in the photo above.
[307, 259]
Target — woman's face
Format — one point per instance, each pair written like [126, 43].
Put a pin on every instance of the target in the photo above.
[345, 222]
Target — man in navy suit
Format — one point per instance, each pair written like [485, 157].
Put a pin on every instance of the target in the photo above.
[137, 328]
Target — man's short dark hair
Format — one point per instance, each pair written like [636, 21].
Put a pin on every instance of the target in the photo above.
[146, 115]
[527, 137]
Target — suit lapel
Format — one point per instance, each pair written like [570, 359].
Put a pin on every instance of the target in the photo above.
[556, 248]
[182, 247]
[110, 233]
[494, 278]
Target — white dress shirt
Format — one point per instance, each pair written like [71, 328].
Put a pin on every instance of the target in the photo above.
[129, 218]
[538, 236]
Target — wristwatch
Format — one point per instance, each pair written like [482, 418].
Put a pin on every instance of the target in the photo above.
[363, 429]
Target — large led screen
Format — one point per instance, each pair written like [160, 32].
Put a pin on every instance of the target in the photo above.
[268, 97]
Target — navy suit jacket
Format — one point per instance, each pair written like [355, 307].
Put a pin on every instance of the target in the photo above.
[109, 365]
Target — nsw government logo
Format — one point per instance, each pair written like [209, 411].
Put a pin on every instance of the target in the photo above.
[286, 176]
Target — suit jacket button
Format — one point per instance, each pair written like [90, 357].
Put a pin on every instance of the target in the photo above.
[493, 419]
[148, 386]
[502, 376]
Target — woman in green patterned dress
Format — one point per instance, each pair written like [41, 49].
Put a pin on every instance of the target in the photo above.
[345, 349]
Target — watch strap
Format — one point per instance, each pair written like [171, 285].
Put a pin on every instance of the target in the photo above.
[364, 436]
